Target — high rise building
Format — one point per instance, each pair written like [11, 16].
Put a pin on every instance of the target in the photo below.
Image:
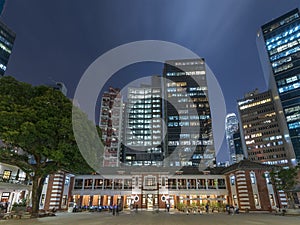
[60, 86]
[2, 6]
[279, 48]
[231, 126]
[7, 38]
[238, 146]
[261, 131]
[110, 124]
[189, 138]
[143, 127]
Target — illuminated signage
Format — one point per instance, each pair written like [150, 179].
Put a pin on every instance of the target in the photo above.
[6, 175]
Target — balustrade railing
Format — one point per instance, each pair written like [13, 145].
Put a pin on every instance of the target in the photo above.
[14, 180]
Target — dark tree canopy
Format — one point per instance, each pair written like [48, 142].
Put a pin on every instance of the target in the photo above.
[286, 179]
[36, 129]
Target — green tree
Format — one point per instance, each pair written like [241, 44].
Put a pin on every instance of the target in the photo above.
[36, 129]
[285, 179]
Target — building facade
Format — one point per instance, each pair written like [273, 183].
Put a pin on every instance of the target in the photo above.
[245, 185]
[250, 187]
[279, 48]
[60, 86]
[143, 127]
[238, 146]
[150, 190]
[14, 186]
[7, 38]
[110, 122]
[231, 126]
[189, 138]
[57, 191]
[261, 131]
[2, 6]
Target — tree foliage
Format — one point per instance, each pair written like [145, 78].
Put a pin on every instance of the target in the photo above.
[36, 129]
[285, 179]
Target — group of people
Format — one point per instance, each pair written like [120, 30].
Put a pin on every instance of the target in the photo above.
[230, 209]
[115, 210]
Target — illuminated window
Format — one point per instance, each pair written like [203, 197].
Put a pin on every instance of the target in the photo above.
[64, 200]
[232, 180]
[78, 183]
[3, 67]
[294, 125]
[283, 35]
[6, 175]
[42, 202]
[252, 178]
[2, 46]
[268, 178]
[88, 183]
[235, 200]
[255, 104]
[289, 87]
[98, 184]
[285, 53]
[272, 201]
[67, 181]
[293, 117]
[256, 200]
[250, 142]
[292, 109]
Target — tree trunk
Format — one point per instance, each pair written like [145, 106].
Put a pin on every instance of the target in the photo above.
[37, 187]
[291, 202]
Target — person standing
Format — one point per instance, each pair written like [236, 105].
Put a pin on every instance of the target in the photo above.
[228, 209]
[6, 207]
[114, 210]
[117, 210]
[168, 207]
[207, 208]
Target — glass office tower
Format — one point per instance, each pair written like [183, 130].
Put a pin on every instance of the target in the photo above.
[189, 139]
[2, 4]
[143, 127]
[238, 146]
[231, 126]
[279, 47]
[7, 38]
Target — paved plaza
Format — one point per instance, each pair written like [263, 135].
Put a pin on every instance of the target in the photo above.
[152, 218]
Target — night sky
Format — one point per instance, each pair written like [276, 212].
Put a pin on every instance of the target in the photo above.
[57, 40]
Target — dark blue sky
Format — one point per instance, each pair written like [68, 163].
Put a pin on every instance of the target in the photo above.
[59, 39]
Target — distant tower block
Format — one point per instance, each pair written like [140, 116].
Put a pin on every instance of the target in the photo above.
[188, 114]
[231, 126]
[7, 38]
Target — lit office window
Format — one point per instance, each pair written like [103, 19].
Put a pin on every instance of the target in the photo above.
[252, 178]
[256, 200]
